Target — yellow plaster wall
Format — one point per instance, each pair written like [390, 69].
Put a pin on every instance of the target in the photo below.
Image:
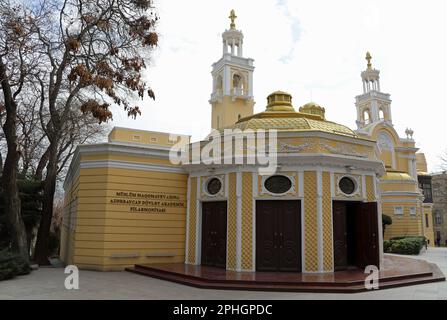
[67, 245]
[403, 225]
[310, 221]
[145, 137]
[405, 186]
[387, 158]
[112, 235]
[229, 110]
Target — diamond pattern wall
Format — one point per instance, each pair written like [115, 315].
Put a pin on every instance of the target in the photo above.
[370, 191]
[231, 223]
[328, 258]
[247, 222]
[192, 222]
[310, 221]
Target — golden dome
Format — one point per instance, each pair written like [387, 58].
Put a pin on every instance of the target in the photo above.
[397, 176]
[280, 101]
[281, 115]
[313, 108]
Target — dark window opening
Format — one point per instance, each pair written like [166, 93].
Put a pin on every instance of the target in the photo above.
[347, 185]
[214, 186]
[278, 184]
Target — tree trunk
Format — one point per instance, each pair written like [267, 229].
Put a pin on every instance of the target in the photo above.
[41, 251]
[42, 163]
[10, 171]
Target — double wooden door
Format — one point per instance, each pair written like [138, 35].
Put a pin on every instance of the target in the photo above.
[214, 234]
[278, 236]
[356, 241]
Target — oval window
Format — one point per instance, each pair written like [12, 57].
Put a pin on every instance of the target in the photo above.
[347, 186]
[278, 184]
[214, 186]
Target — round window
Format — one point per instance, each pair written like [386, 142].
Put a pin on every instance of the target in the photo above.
[278, 184]
[347, 186]
[214, 186]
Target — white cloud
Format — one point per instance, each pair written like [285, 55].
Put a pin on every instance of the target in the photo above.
[307, 46]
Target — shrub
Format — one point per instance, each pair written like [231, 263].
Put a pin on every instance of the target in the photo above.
[387, 220]
[12, 265]
[404, 245]
[387, 246]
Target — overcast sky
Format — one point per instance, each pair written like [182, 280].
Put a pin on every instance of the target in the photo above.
[314, 49]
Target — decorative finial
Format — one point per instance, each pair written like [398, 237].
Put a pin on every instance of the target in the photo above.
[232, 17]
[368, 58]
[409, 133]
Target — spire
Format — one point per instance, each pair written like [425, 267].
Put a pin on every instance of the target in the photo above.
[373, 105]
[368, 58]
[370, 77]
[233, 17]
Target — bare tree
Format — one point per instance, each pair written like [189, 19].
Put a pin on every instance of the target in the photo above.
[18, 64]
[95, 53]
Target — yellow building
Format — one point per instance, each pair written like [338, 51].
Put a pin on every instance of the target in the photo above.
[425, 185]
[280, 190]
[401, 197]
[124, 202]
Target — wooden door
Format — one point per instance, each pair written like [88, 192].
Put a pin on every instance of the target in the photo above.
[340, 236]
[214, 234]
[267, 254]
[289, 236]
[278, 236]
[368, 252]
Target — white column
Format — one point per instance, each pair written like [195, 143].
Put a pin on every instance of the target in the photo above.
[233, 46]
[227, 80]
[378, 85]
[241, 54]
[225, 47]
[379, 218]
[250, 84]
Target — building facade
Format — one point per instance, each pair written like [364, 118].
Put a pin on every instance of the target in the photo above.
[281, 190]
[401, 198]
[425, 185]
[440, 208]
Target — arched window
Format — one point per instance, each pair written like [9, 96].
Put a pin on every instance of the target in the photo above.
[238, 84]
[237, 81]
[219, 83]
[381, 114]
[438, 218]
[366, 117]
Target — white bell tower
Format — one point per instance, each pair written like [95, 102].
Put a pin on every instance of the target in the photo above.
[373, 105]
[232, 95]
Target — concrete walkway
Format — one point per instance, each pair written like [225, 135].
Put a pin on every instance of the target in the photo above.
[48, 283]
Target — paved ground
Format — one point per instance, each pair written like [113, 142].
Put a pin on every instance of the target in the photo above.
[48, 283]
